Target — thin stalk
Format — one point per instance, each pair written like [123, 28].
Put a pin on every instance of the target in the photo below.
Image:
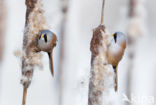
[102, 12]
[132, 6]
[24, 96]
[64, 4]
[131, 52]
[3, 12]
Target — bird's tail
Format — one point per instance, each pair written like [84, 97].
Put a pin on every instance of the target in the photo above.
[51, 63]
[116, 78]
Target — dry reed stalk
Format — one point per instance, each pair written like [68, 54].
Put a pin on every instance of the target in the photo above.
[135, 30]
[2, 26]
[102, 12]
[102, 74]
[35, 22]
[64, 4]
[24, 96]
[132, 5]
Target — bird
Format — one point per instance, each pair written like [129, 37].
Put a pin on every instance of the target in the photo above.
[115, 52]
[46, 42]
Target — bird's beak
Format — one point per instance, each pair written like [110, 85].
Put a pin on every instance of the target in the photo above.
[112, 35]
[42, 36]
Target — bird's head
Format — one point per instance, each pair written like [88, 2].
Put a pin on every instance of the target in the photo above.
[45, 35]
[119, 38]
[46, 40]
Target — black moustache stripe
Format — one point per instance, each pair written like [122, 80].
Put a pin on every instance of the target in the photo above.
[115, 37]
[45, 38]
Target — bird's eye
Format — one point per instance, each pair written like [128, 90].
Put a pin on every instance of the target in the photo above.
[115, 37]
[45, 38]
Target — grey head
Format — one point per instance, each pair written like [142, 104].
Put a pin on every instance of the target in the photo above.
[44, 40]
[119, 38]
[45, 35]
